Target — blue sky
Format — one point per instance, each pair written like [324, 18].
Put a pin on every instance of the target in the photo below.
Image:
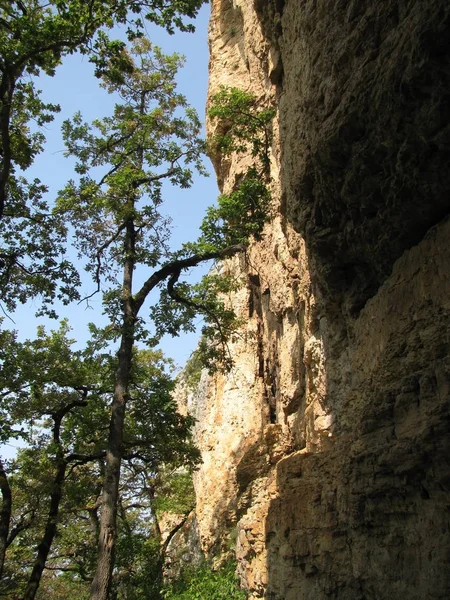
[75, 88]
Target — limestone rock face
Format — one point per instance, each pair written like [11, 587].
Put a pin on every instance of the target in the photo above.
[326, 451]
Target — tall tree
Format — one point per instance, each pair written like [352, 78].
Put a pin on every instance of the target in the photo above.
[63, 397]
[151, 137]
[35, 35]
[5, 515]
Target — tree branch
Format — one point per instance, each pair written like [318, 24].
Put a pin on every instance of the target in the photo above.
[63, 569]
[21, 526]
[59, 415]
[82, 459]
[5, 514]
[6, 94]
[98, 257]
[22, 7]
[172, 533]
[143, 180]
[5, 24]
[177, 266]
[199, 307]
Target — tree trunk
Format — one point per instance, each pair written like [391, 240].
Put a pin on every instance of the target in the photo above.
[55, 500]
[6, 95]
[5, 515]
[101, 584]
[49, 533]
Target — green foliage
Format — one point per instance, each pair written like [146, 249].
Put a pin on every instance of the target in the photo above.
[204, 583]
[178, 307]
[239, 215]
[167, 14]
[147, 140]
[226, 229]
[175, 493]
[242, 125]
[40, 377]
[33, 245]
[28, 106]
[31, 477]
[138, 567]
[83, 412]
[193, 369]
[243, 128]
[34, 38]
[44, 377]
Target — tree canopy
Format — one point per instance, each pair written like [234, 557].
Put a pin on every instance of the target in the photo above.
[35, 35]
[58, 400]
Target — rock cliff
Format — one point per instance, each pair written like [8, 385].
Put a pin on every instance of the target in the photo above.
[326, 451]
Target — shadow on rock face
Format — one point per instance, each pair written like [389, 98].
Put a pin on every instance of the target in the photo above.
[365, 135]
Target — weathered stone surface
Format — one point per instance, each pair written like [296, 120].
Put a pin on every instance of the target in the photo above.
[326, 450]
[369, 518]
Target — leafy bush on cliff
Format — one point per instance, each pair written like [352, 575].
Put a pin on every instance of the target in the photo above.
[206, 584]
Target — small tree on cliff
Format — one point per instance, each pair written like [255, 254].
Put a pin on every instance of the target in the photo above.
[153, 136]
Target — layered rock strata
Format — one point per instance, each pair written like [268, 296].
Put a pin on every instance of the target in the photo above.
[326, 450]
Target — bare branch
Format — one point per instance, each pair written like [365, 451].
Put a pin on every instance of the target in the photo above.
[62, 569]
[98, 257]
[5, 24]
[177, 528]
[22, 7]
[23, 524]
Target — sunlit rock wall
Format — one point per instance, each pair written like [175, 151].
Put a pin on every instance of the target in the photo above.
[326, 452]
